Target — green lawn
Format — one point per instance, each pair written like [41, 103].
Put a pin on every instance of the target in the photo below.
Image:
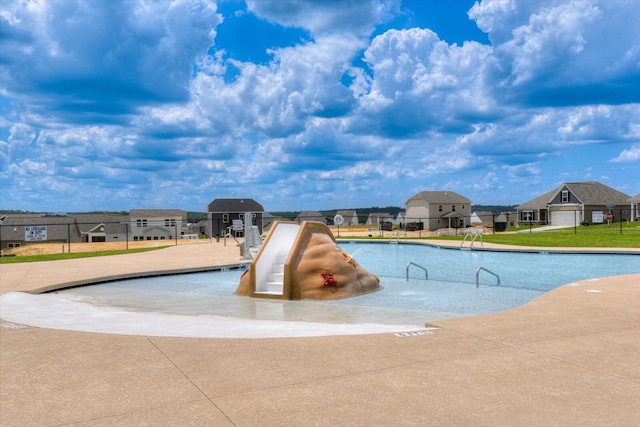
[56, 257]
[593, 236]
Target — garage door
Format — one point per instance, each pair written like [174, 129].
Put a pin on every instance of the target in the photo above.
[565, 218]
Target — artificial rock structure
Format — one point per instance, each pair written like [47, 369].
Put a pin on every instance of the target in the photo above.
[303, 261]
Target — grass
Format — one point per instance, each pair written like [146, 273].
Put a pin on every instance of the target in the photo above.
[593, 236]
[73, 255]
[598, 236]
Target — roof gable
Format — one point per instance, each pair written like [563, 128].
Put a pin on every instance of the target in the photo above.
[113, 223]
[595, 193]
[310, 216]
[562, 188]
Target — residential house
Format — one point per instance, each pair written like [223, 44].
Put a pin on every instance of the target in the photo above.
[635, 208]
[311, 216]
[482, 217]
[382, 220]
[268, 220]
[573, 203]
[350, 217]
[221, 214]
[104, 227]
[200, 227]
[157, 224]
[432, 210]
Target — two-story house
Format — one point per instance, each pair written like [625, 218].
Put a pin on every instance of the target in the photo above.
[156, 224]
[438, 209]
[222, 212]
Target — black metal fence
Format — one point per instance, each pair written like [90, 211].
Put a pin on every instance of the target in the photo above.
[605, 221]
[17, 232]
[20, 231]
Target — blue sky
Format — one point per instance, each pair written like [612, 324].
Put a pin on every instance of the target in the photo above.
[313, 105]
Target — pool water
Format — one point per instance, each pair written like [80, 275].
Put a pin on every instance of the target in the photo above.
[540, 271]
[450, 290]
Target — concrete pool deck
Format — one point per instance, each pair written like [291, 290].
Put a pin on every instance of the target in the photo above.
[570, 357]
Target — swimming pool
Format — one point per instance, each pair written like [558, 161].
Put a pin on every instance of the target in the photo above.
[450, 290]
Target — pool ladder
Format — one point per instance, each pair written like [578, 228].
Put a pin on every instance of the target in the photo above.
[426, 273]
[488, 271]
[473, 239]
[396, 234]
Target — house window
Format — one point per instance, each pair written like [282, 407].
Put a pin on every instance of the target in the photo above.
[241, 216]
[138, 223]
[527, 216]
[135, 238]
[453, 208]
[439, 208]
[13, 245]
[166, 222]
[565, 196]
[225, 217]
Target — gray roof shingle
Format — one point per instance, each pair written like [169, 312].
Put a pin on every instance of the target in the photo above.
[440, 197]
[158, 213]
[234, 205]
[589, 193]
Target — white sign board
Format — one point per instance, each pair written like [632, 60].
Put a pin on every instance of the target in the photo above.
[35, 233]
[597, 217]
[238, 225]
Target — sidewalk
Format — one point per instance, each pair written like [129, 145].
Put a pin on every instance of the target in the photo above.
[570, 357]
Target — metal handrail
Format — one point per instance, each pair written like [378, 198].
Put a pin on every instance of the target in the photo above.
[426, 273]
[397, 234]
[474, 239]
[488, 271]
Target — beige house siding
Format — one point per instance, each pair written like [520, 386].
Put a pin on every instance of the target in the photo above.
[439, 209]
